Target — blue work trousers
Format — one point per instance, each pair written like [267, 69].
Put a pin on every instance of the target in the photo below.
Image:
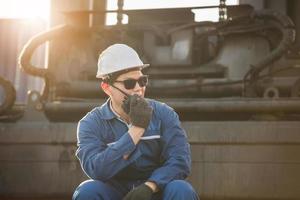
[113, 190]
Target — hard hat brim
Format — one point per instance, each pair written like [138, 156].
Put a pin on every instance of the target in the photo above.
[126, 70]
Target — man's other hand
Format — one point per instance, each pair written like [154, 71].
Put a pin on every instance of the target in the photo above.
[142, 192]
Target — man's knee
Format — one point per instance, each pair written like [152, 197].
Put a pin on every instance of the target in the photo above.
[87, 190]
[179, 189]
[93, 190]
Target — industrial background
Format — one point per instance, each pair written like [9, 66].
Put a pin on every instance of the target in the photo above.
[230, 69]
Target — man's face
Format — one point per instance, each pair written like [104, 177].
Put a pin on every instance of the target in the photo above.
[117, 96]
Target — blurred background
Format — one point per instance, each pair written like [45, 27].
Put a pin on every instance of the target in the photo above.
[229, 68]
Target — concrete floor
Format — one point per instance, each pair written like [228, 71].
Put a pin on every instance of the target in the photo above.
[51, 198]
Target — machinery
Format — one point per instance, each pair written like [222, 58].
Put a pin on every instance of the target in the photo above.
[234, 83]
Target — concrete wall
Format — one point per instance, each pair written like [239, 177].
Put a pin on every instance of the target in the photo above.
[234, 160]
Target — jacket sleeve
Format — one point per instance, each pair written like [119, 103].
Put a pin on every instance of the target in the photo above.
[176, 153]
[98, 160]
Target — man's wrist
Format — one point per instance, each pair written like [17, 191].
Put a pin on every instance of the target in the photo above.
[152, 186]
[137, 128]
[136, 133]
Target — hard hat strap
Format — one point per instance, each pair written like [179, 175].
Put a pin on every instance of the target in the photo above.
[120, 90]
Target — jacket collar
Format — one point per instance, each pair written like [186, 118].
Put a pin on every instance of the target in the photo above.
[106, 112]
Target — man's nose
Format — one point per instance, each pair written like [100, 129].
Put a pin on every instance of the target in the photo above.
[137, 87]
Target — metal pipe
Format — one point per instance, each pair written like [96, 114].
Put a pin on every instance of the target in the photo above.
[33, 44]
[183, 87]
[285, 25]
[10, 95]
[120, 12]
[229, 105]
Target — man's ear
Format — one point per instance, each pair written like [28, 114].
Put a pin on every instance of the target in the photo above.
[105, 87]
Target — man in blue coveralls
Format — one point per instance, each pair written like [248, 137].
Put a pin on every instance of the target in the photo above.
[132, 148]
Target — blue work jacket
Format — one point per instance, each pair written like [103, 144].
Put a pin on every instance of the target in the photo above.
[162, 154]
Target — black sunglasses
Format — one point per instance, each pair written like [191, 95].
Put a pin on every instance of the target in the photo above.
[130, 83]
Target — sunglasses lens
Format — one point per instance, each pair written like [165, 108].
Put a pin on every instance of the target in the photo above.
[129, 84]
[143, 81]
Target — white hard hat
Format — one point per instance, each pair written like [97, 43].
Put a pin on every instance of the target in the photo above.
[118, 57]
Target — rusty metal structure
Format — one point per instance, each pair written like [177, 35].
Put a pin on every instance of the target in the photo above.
[234, 83]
